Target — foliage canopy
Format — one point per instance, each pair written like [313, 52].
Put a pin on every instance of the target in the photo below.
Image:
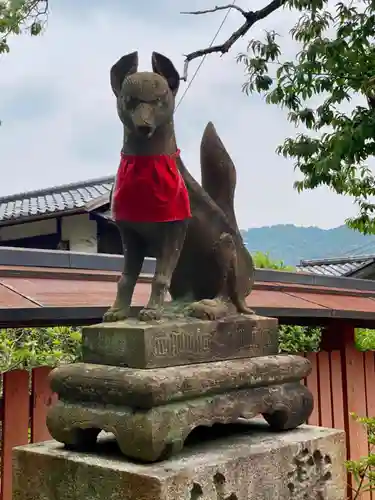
[18, 16]
[336, 61]
[320, 88]
[26, 348]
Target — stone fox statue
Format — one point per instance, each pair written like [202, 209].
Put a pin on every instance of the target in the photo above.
[162, 212]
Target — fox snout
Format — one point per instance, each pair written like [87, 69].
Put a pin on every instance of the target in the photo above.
[143, 120]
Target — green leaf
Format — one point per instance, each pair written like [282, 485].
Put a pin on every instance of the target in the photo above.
[35, 28]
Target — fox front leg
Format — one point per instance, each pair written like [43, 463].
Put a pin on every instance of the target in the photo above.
[133, 250]
[170, 242]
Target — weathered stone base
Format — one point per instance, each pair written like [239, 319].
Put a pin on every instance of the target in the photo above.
[174, 341]
[152, 412]
[161, 432]
[254, 464]
[144, 389]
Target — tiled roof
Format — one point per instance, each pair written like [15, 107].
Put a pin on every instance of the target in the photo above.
[343, 266]
[55, 200]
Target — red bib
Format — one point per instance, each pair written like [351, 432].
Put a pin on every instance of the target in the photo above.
[150, 189]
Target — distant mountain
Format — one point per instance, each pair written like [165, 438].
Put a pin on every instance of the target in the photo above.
[291, 243]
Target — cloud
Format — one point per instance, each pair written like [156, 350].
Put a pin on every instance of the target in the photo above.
[59, 116]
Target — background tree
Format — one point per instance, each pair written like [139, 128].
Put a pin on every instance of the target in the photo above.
[17, 16]
[264, 261]
[292, 338]
[335, 62]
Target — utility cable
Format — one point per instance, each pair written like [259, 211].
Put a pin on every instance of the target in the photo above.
[204, 57]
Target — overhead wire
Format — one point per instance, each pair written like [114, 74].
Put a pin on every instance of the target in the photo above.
[360, 250]
[204, 57]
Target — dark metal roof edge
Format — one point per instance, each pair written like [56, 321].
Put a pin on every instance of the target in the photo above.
[101, 215]
[10, 256]
[96, 312]
[97, 203]
[314, 279]
[85, 315]
[54, 189]
[353, 272]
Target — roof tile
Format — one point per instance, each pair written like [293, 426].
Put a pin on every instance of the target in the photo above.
[53, 200]
[335, 267]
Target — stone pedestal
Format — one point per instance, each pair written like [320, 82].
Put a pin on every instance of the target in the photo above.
[233, 462]
[152, 412]
[151, 384]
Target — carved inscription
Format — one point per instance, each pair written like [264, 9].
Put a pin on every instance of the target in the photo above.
[175, 343]
[242, 338]
[233, 338]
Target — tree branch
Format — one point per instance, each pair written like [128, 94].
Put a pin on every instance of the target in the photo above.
[215, 9]
[251, 17]
[32, 10]
[368, 88]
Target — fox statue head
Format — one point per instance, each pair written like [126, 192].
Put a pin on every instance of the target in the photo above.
[145, 100]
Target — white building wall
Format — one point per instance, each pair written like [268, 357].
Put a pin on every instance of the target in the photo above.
[79, 230]
[81, 233]
[29, 229]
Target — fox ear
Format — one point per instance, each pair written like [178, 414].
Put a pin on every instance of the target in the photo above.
[164, 67]
[125, 66]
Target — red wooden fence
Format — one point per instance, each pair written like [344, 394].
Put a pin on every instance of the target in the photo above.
[342, 381]
[23, 418]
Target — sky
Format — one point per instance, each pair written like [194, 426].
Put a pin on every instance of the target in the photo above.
[58, 113]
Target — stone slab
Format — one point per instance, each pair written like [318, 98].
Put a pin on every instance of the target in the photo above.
[144, 389]
[245, 464]
[155, 434]
[179, 341]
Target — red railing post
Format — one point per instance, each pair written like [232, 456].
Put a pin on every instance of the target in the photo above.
[312, 383]
[15, 423]
[349, 381]
[42, 397]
